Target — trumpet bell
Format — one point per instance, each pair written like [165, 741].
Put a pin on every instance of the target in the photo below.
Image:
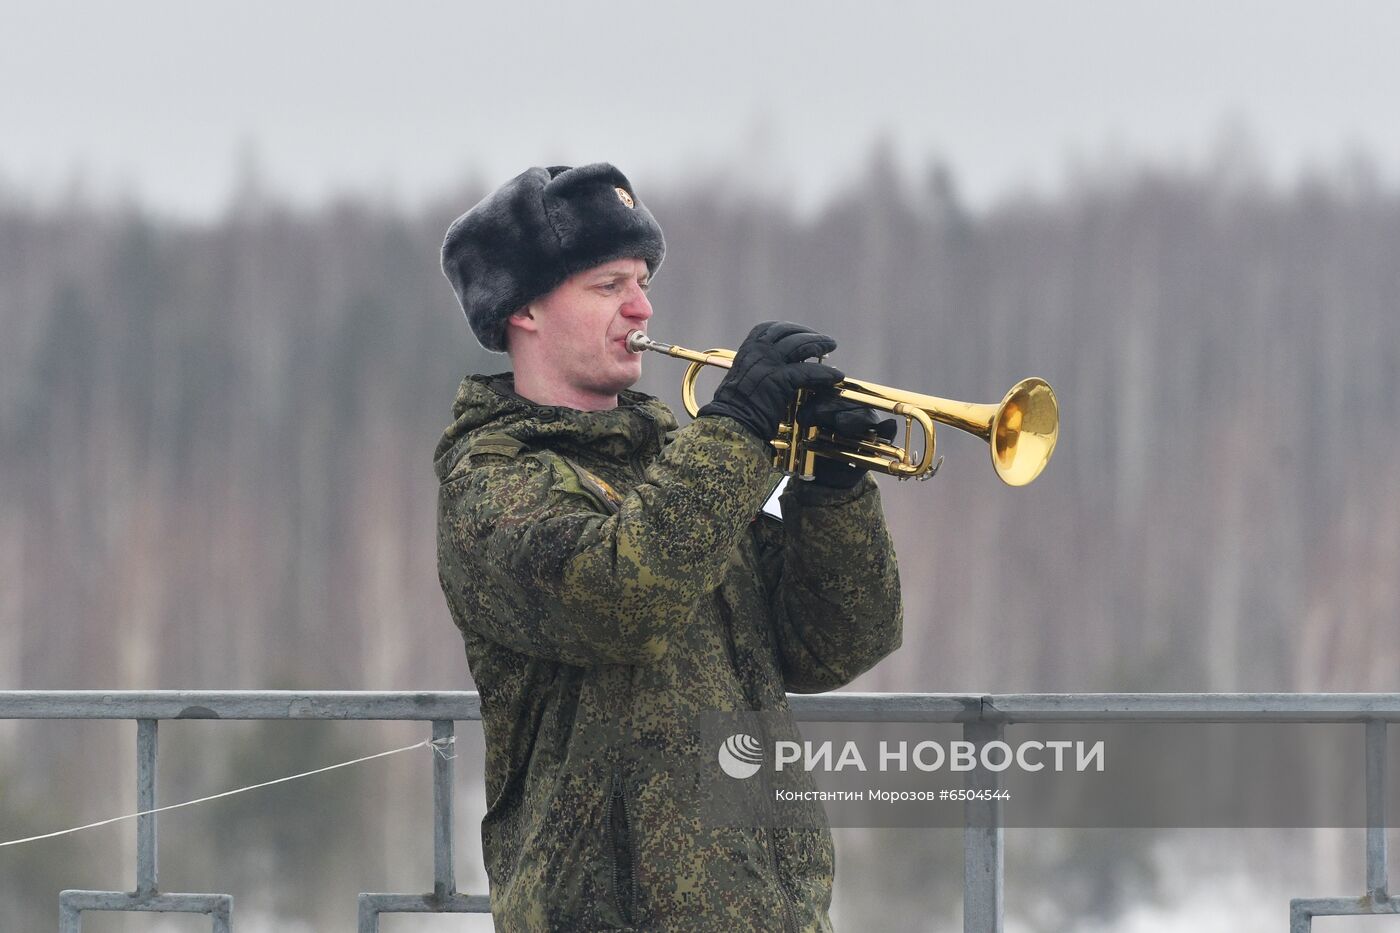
[1023, 432]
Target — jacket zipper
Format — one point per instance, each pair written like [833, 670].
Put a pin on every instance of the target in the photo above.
[624, 879]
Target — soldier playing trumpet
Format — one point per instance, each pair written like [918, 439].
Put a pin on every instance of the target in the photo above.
[613, 576]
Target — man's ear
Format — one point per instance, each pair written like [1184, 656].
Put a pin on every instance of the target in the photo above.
[523, 318]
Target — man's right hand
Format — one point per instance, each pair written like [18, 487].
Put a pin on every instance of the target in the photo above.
[768, 370]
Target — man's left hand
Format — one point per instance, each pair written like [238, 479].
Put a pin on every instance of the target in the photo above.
[830, 412]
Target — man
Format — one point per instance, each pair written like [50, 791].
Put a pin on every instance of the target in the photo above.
[614, 581]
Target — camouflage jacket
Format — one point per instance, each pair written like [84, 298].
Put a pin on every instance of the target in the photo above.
[613, 580]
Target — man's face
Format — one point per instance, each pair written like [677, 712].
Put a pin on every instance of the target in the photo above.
[580, 328]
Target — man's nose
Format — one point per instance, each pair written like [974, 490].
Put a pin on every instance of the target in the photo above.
[637, 305]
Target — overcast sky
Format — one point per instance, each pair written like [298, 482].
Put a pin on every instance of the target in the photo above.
[167, 98]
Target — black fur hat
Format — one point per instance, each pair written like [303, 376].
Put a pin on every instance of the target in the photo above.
[535, 231]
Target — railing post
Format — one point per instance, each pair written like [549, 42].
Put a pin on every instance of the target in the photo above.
[70, 919]
[982, 839]
[444, 899]
[368, 917]
[1377, 870]
[444, 882]
[1299, 920]
[145, 800]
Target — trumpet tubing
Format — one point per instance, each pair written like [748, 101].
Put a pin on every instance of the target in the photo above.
[1021, 429]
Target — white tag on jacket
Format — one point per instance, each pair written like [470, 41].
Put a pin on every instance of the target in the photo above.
[772, 507]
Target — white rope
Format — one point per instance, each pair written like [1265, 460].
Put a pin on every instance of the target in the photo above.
[229, 793]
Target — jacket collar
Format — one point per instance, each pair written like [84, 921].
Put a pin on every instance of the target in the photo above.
[489, 404]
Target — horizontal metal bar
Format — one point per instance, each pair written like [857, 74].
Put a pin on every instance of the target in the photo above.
[1099, 707]
[146, 903]
[886, 707]
[1302, 910]
[425, 904]
[238, 704]
[1194, 707]
[71, 904]
[830, 707]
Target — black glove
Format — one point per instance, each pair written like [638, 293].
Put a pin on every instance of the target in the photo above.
[767, 372]
[843, 417]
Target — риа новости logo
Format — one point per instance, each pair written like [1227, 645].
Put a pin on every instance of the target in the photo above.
[741, 756]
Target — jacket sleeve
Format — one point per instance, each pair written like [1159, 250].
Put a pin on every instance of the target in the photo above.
[833, 585]
[546, 573]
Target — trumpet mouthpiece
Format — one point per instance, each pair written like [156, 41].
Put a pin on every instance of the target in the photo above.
[638, 341]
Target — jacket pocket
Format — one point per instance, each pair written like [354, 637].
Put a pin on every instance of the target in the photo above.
[619, 829]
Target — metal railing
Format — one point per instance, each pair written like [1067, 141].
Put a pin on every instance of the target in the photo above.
[983, 718]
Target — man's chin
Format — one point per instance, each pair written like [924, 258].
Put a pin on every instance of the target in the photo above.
[626, 385]
[614, 386]
[628, 379]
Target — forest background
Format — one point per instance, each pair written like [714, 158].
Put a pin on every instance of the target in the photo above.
[216, 430]
[215, 466]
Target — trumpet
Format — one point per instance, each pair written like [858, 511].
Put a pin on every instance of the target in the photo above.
[1021, 429]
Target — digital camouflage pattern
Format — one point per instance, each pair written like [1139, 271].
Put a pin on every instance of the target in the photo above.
[613, 581]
